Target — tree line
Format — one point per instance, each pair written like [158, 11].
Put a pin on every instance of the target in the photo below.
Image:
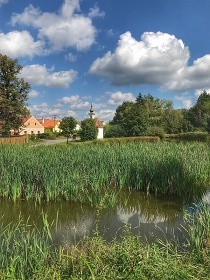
[13, 103]
[146, 116]
[153, 116]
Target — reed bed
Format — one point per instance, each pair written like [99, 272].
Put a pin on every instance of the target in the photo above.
[28, 253]
[88, 173]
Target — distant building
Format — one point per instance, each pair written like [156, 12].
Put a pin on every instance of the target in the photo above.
[98, 123]
[50, 124]
[31, 126]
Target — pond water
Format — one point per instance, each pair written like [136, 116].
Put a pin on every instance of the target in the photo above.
[148, 216]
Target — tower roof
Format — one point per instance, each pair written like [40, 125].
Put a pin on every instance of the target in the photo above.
[91, 114]
[91, 108]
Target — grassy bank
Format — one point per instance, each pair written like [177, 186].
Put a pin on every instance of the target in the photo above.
[88, 173]
[30, 254]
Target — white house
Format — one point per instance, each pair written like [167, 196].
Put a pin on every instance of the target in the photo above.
[98, 123]
[31, 126]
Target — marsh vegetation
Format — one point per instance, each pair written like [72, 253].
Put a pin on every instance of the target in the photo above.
[97, 175]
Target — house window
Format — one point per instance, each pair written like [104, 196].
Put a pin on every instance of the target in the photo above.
[29, 123]
[25, 132]
[35, 123]
[32, 132]
[38, 132]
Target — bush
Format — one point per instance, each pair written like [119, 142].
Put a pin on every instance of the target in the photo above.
[155, 131]
[89, 130]
[190, 136]
[115, 130]
[44, 136]
[32, 137]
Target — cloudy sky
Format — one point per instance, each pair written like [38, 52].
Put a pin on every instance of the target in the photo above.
[78, 52]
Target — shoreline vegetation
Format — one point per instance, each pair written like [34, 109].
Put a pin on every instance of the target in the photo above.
[28, 253]
[92, 172]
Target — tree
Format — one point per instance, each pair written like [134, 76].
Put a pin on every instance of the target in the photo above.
[175, 122]
[67, 125]
[200, 113]
[122, 112]
[113, 130]
[13, 95]
[89, 130]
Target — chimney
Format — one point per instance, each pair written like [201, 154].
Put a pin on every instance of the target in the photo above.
[42, 120]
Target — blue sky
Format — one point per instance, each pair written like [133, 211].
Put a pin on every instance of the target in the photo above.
[78, 52]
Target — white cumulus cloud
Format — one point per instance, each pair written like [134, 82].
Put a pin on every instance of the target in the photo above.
[106, 114]
[60, 30]
[75, 102]
[95, 12]
[3, 2]
[33, 94]
[152, 60]
[194, 77]
[39, 75]
[118, 98]
[157, 59]
[44, 110]
[19, 44]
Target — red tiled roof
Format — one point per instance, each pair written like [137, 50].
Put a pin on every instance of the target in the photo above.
[26, 118]
[98, 123]
[48, 123]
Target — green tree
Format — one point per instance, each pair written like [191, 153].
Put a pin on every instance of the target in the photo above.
[155, 108]
[113, 130]
[13, 95]
[67, 125]
[200, 113]
[122, 112]
[174, 121]
[136, 122]
[89, 130]
[142, 117]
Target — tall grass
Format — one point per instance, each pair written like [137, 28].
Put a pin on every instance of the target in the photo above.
[89, 172]
[24, 250]
[199, 229]
[27, 253]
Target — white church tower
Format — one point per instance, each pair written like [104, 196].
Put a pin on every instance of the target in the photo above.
[97, 122]
[91, 114]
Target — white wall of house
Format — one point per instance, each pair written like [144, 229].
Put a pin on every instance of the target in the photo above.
[100, 133]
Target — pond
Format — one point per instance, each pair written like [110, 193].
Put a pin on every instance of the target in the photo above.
[147, 216]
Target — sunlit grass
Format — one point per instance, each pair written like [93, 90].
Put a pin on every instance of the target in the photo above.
[29, 253]
[88, 173]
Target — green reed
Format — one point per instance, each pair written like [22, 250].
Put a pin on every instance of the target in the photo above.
[198, 220]
[79, 172]
[27, 252]
[24, 250]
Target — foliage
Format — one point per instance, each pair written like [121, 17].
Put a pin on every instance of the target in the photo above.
[67, 125]
[13, 94]
[24, 251]
[113, 131]
[89, 130]
[91, 171]
[32, 137]
[190, 136]
[200, 113]
[155, 131]
[199, 231]
[174, 122]
[149, 115]
[138, 118]
[27, 253]
[132, 119]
